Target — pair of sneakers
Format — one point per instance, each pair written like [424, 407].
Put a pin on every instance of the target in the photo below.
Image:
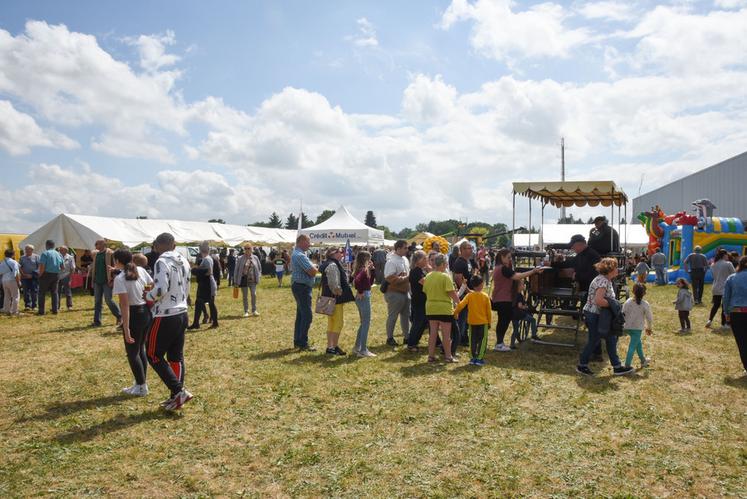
[501, 347]
[477, 362]
[616, 371]
[177, 401]
[335, 351]
[136, 390]
[363, 353]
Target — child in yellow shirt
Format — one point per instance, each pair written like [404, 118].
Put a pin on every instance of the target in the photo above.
[479, 315]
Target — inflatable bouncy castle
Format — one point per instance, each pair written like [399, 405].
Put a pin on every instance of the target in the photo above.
[678, 234]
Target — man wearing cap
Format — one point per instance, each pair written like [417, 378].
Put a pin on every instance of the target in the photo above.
[582, 264]
[603, 238]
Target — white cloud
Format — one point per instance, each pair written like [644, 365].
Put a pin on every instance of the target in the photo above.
[730, 4]
[152, 50]
[66, 78]
[500, 33]
[19, 132]
[429, 100]
[366, 36]
[608, 10]
[672, 40]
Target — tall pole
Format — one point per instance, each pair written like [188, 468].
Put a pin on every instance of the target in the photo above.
[562, 171]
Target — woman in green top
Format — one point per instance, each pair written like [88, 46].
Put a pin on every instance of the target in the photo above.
[439, 307]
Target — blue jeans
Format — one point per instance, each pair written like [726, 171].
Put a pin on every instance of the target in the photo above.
[592, 323]
[103, 291]
[661, 274]
[30, 292]
[302, 294]
[364, 311]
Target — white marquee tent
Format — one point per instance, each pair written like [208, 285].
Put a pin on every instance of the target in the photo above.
[341, 227]
[562, 233]
[82, 231]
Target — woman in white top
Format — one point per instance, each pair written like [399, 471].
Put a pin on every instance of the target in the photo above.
[130, 286]
[638, 317]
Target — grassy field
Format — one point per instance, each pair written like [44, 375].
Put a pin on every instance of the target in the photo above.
[269, 421]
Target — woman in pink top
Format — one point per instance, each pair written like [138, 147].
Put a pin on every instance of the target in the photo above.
[504, 276]
[363, 279]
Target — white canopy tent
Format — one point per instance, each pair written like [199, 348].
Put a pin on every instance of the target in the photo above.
[342, 227]
[82, 231]
[562, 233]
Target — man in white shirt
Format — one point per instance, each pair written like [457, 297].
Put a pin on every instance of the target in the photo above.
[165, 346]
[397, 295]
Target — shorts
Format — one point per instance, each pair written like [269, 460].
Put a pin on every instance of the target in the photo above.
[279, 273]
[335, 321]
[440, 318]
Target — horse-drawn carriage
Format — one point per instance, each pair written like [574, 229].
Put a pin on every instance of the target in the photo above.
[553, 295]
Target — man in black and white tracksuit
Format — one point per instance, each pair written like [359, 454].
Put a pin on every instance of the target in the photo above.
[165, 347]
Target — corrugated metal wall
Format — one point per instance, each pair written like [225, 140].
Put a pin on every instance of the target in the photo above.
[725, 184]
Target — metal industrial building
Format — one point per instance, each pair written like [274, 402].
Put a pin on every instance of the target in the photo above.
[725, 184]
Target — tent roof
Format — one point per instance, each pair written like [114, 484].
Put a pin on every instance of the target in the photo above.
[574, 192]
[347, 227]
[82, 231]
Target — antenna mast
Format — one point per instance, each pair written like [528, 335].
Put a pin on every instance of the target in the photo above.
[562, 172]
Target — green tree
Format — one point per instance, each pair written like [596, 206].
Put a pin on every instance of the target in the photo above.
[305, 221]
[325, 215]
[216, 221]
[275, 221]
[141, 217]
[406, 233]
[292, 222]
[388, 234]
[370, 219]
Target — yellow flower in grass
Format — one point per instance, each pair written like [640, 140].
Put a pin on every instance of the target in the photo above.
[443, 244]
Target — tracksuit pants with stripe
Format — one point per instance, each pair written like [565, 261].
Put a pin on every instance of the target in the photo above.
[166, 349]
[478, 340]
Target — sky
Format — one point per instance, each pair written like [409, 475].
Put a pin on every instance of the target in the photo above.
[417, 110]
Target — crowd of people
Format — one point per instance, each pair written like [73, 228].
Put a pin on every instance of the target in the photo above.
[447, 295]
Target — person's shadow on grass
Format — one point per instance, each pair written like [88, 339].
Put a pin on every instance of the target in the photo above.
[60, 409]
[273, 355]
[118, 422]
[423, 369]
[736, 382]
[323, 360]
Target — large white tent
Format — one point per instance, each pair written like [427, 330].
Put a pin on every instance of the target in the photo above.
[562, 233]
[82, 231]
[342, 227]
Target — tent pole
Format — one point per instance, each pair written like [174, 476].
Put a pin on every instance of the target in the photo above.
[612, 222]
[513, 218]
[542, 228]
[530, 224]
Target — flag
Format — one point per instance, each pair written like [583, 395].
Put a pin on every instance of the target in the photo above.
[348, 252]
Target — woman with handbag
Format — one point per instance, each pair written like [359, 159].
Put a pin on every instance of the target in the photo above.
[246, 276]
[335, 286]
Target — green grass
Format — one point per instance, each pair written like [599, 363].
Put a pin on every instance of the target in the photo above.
[269, 421]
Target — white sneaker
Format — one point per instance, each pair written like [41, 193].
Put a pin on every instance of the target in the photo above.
[142, 390]
[708, 325]
[255, 313]
[646, 363]
[502, 347]
[179, 400]
[366, 353]
[725, 328]
[246, 314]
[131, 390]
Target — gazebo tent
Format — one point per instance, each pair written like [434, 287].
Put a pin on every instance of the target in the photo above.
[82, 231]
[419, 238]
[342, 227]
[571, 193]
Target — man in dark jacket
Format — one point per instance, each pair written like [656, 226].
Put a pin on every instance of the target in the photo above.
[582, 264]
[603, 238]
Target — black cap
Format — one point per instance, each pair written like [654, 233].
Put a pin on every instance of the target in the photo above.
[578, 238]
[600, 218]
